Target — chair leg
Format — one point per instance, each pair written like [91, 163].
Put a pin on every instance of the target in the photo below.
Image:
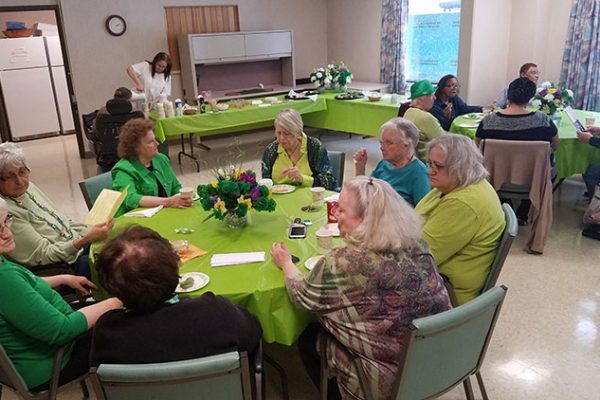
[84, 389]
[282, 374]
[468, 389]
[481, 386]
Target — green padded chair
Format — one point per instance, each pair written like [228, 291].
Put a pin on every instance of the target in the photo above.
[223, 376]
[92, 186]
[508, 235]
[11, 379]
[337, 160]
[441, 351]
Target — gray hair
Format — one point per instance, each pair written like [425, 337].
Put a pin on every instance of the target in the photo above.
[3, 206]
[389, 223]
[404, 129]
[10, 155]
[464, 161]
[290, 121]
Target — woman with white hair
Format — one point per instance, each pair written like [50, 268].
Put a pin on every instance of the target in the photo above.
[35, 320]
[463, 216]
[42, 233]
[367, 292]
[400, 167]
[295, 158]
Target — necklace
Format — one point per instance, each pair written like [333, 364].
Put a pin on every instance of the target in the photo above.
[62, 228]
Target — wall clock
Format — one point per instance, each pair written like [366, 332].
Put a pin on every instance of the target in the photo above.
[116, 25]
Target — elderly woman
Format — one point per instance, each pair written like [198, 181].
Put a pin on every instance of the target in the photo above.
[367, 292]
[42, 233]
[463, 216]
[295, 158]
[147, 175]
[157, 325]
[152, 78]
[400, 168]
[448, 104]
[35, 320]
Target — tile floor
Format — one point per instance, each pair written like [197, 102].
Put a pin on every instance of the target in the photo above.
[546, 344]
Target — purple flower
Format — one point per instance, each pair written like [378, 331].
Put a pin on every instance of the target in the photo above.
[213, 199]
[245, 177]
[255, 193]
[543, 92]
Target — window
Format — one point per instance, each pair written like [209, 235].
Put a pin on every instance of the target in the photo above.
[432, 39]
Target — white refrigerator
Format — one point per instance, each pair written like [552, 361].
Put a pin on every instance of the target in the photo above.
[59, 80]
[27, 87]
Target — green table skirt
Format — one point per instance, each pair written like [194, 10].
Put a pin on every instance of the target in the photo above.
[572, 156]
[257, 287]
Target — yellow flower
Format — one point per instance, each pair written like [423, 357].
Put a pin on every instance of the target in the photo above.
[215, 183]
[551, 90]
[220, 205]
[236, 174]
[248, 202]
[270, 194]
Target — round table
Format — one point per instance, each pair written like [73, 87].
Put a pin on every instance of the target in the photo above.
[257, 287]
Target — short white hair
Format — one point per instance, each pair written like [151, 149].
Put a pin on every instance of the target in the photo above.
[10, 155]
[404, 129]
[290, 121]
[389, 223]
[464, 162]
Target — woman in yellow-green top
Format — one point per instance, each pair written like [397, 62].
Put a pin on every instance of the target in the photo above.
[294, 158]
[464, 218]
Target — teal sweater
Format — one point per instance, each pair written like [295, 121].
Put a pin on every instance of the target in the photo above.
[34, 322]
[142, 181]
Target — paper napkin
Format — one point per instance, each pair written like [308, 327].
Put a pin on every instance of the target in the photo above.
[146, 212]
[219, 260]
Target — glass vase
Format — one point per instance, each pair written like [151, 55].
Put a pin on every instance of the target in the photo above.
[234, 221]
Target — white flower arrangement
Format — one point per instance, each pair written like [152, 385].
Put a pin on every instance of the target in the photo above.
[549, 98]
[334, 76]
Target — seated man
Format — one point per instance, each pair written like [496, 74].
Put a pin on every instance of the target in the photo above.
[591, 177]
[141, 268]
[107, 125]
[422, 97]
[527, 70]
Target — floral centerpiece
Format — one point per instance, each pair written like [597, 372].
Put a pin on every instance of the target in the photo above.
[334, 76]
[232, 194]
[549, 98]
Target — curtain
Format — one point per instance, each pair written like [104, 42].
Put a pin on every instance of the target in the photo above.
[393, 32]
[581, 59]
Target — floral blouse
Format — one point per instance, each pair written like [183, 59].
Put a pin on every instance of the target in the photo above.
[367, 301]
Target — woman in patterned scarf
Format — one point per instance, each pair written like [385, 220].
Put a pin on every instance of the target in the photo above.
[366, 292]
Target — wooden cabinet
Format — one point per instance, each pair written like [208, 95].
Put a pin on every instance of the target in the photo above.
[234, 63]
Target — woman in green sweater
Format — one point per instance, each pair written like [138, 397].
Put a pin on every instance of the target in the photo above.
[35, 320]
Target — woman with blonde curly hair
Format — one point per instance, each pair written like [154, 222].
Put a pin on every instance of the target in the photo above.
[147, 174]
[367, 292]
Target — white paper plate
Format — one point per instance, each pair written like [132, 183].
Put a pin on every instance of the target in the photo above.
[200, 280]
[468, 125]
[196, 196]
[311, 262]
[474, 116]
[332, 228]
[283, 189]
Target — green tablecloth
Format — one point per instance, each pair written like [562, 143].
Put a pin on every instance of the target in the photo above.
[359, 116]
[231, 120]
[258, 287]
[572, 156]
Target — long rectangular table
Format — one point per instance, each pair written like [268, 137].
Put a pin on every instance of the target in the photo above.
[258, 287]
[572, 156]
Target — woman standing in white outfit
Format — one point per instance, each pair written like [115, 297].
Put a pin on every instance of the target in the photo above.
[152, 78]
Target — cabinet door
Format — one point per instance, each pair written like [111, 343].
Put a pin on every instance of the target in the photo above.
[269, 44]
[218, 47]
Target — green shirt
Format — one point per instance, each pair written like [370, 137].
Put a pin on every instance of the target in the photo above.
[462, 229]
[428, 125]
[284, 162]
[142, 182]
[34, 322]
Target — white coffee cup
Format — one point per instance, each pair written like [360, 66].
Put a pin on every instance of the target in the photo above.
[324, 239]
[187, 191]
[590, 120]
[266, 182]
[318, 196]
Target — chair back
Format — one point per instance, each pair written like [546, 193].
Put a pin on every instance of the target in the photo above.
[106, 140]
[508, 235]
[224, 376]
[337, 160]
[9, 376]
[443, 350]
[92, 186]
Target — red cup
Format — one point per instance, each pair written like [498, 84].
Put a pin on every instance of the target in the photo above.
[332, 206]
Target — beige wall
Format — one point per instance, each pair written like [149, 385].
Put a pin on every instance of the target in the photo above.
[354, 36]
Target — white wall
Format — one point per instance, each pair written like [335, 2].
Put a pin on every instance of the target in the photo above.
[354, 36]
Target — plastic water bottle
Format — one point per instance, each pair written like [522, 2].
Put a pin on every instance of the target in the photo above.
[178, 107]
[201, 104]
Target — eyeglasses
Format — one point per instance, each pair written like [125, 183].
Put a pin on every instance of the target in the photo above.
[435, 165]
[23, 172]
[388, 143]
[452, 86]
[7, 223]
